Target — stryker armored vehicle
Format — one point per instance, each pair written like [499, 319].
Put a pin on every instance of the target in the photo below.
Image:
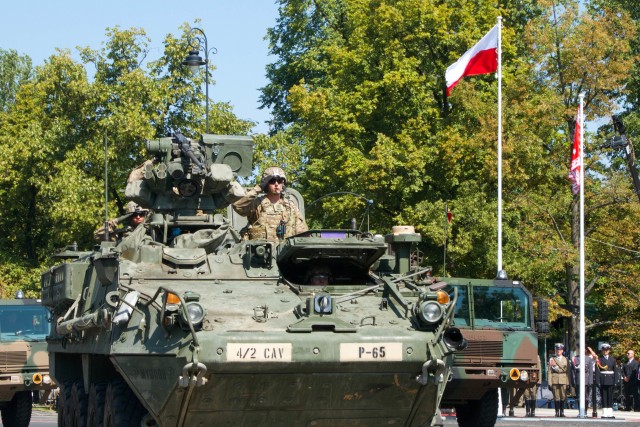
[184, 323]
[496, 319]
[24, 363]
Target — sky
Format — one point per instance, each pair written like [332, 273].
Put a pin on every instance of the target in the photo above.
[236, 28]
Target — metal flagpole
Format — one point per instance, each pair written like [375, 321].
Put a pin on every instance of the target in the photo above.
[499, 168]
[499, 143]
[582, 322]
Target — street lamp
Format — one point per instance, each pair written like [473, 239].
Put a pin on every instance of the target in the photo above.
[197, 39]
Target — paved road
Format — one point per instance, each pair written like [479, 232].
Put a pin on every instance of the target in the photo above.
[544, 418]
[40, 418]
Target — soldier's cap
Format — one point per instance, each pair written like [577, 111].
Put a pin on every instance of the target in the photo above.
[606, 346]
[559, 346]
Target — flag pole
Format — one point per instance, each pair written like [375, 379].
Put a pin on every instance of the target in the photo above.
[499, 143]
[582, 296]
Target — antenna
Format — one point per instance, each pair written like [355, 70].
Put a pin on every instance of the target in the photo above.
[106, 188]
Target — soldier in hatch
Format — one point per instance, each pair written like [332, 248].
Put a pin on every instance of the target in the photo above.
[135, 216]
[271, 215]
[319, 275]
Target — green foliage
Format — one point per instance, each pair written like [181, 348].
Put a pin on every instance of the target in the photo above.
[361, 85]
[52, 140]
[14, 70]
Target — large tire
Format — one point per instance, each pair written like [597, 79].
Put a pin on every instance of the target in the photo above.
[95, 410]
[64, 403]
[78, 415]
[121, 407]
[18, 412]
[479, 413]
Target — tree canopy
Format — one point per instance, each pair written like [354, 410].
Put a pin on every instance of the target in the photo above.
[364, 129]
[359, 85]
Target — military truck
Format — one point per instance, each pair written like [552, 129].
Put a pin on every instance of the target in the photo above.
[184, 323]
[24, 363]
[496, 318]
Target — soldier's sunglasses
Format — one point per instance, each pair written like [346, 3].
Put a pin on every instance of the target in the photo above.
[278, 180]
[137, 214]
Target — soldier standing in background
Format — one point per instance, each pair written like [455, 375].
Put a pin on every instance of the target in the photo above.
[589, 366]
[630, 378]
[271, 215]
[559, 378]
[606, 378]
[530, 397]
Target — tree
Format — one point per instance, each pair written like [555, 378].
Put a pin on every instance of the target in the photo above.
[52, 140]
[361, 85]
[584, 52]
[14, 70]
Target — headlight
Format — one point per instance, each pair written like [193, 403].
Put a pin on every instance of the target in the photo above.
[430, 311]
[195, 313]
[46, 379]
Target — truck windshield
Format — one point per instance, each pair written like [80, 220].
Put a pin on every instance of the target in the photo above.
[493, 307]
[24, 323]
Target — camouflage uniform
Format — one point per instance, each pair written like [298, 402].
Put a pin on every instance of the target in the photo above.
[530, 397]
[265, 217]
[114, 236]
[99, 234]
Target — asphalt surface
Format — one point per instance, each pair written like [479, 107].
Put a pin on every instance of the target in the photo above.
[546, 417]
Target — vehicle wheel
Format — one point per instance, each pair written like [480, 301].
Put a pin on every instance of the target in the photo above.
[479, 413]
[18, 412]
[64, 403]
[121, 407]
[95, 410]
[78, 415]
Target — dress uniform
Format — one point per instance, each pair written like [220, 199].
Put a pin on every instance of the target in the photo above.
[606, 378]
[559, 378]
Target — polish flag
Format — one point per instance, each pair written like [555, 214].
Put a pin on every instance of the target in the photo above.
[576, 169]
[480, 59]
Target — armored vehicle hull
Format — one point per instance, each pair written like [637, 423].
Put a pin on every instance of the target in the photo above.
[24, 326]
[205, 328]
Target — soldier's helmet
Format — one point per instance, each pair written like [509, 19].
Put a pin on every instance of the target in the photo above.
[271, 173]
[133, 207]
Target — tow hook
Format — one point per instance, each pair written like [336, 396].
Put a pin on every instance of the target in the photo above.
[431, 372]
[191, 374]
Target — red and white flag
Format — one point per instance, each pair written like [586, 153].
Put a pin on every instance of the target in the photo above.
[480, 59]
[576, 167]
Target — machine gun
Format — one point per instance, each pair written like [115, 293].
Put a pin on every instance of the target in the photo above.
[192, 175]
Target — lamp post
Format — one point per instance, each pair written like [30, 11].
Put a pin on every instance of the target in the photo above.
[197, 39]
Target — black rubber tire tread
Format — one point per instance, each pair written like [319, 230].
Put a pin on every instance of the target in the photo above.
[18, 412]
[121, 407]
[79, 400]
[64, 403]
[479, 413]
[95, 408]
[464, 414]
